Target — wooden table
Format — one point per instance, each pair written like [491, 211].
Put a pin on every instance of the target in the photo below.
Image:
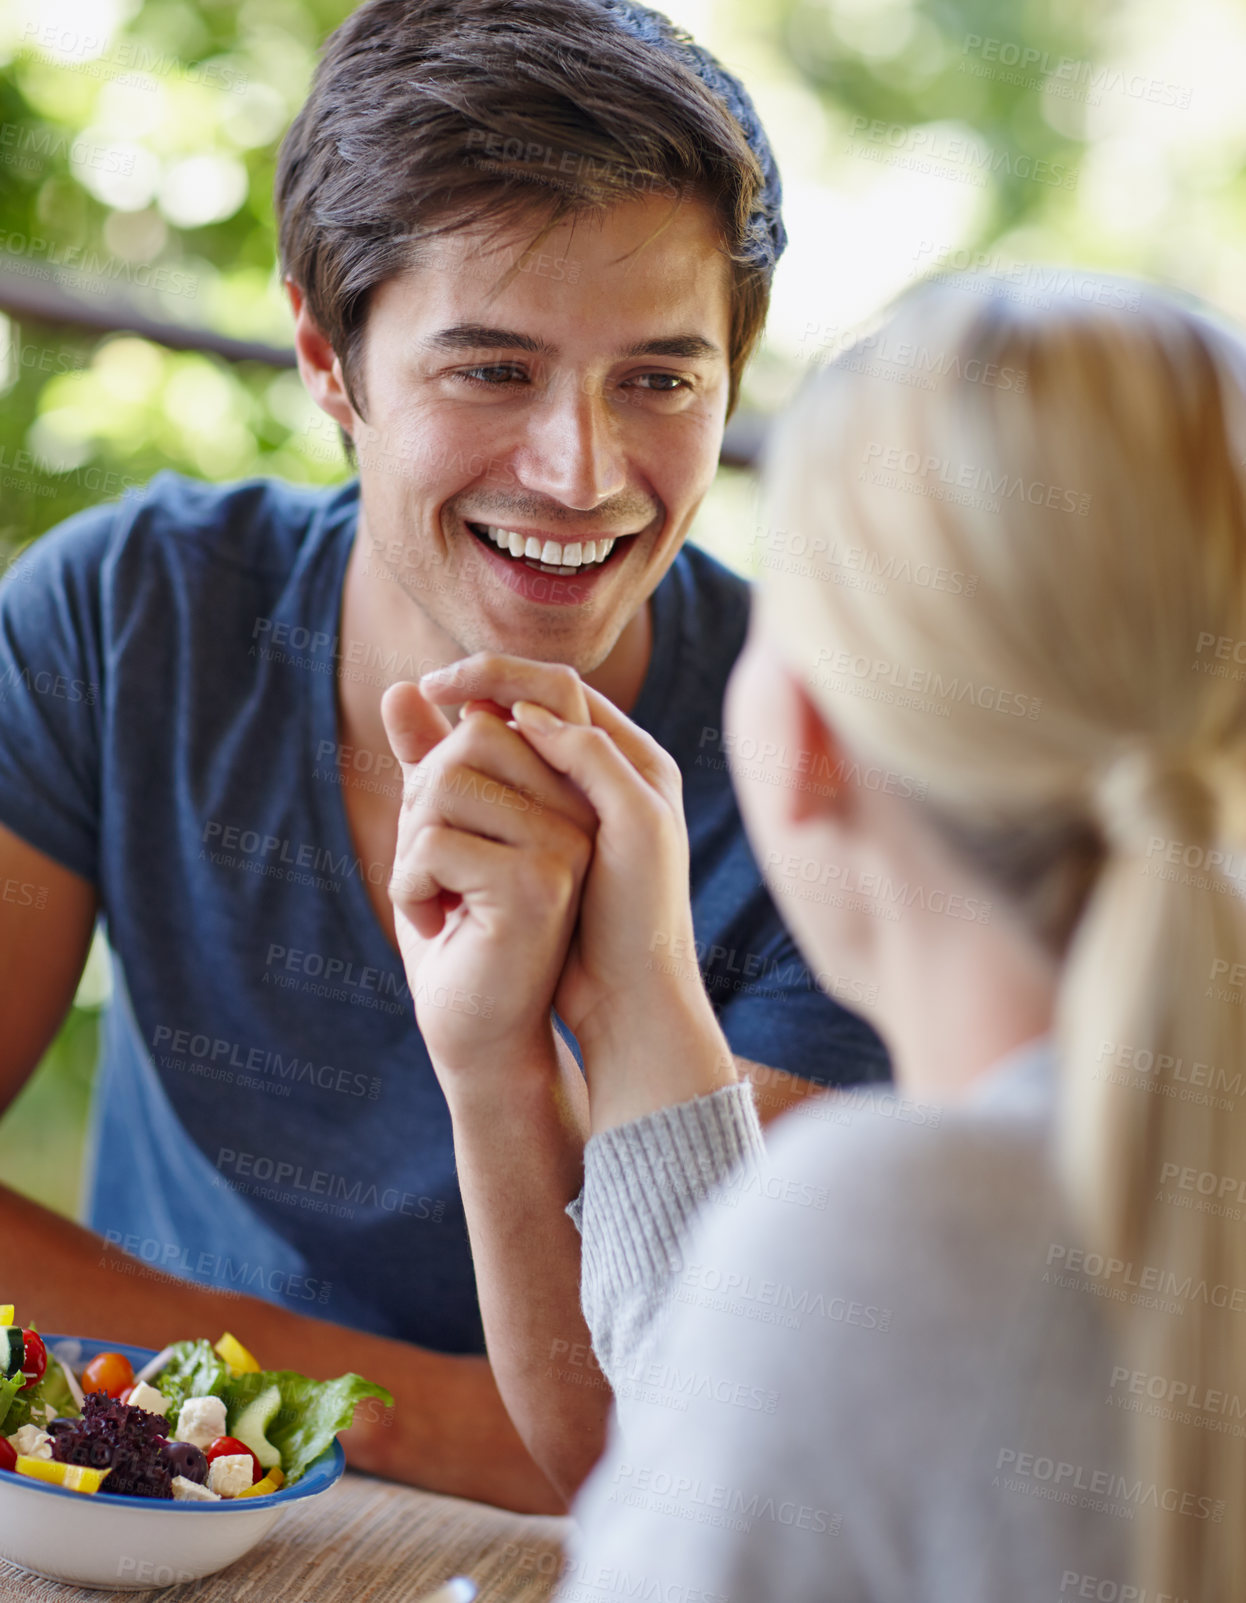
[366, 1541]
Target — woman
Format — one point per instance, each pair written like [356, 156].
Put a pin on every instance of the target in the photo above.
[984, 1339]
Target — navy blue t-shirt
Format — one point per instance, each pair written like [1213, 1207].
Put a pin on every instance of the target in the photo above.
[266, 1117]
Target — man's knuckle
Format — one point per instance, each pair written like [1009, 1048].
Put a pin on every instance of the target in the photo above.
[548, 879]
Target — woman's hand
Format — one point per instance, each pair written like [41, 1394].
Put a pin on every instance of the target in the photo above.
[491, 854]
[642, 1019]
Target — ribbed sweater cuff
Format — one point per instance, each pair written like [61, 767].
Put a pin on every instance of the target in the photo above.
[645, 1182]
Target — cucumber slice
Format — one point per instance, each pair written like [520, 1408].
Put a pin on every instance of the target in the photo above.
[254, 1420]
[12, 1349]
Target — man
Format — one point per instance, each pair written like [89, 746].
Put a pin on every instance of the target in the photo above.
[528, 249]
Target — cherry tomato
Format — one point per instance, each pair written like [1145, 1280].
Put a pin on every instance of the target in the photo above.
[224, 1446]
[8, 1454]
[35, 1360]
[124, 1397]
[108, 1372]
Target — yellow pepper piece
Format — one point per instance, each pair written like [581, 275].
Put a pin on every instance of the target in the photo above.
[236, 1355]
[75, 1477]
[272, 1482]
[6, 1313]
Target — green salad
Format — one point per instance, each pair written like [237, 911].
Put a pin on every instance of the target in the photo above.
[200, 1422]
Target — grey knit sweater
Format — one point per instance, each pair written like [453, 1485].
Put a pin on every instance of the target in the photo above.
[854, 1368]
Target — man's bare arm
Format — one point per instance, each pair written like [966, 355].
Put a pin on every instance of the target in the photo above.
[519, 1164]
[449, 1430]
[47, 915]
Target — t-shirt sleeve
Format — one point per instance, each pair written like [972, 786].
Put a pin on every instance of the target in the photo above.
[779, 1015]
[51, 692]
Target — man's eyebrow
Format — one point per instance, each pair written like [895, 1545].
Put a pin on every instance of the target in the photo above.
[690, 346]
[479, 337]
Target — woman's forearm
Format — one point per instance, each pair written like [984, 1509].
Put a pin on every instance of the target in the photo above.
[647, 1184]
[653, 1048]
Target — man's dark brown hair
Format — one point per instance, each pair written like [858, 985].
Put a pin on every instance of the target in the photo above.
[427, 116]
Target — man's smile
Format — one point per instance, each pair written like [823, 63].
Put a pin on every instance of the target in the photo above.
[549, 552]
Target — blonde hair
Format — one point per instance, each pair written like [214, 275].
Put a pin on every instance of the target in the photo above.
[1008, 557]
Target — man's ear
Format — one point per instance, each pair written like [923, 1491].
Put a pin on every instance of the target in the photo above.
[819, 788]
[319, 367]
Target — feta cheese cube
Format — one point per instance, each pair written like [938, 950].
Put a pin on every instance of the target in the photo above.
[31, 1442]
[188, 1491]
[230, 1474]
[201, 1421]
[145, 1396]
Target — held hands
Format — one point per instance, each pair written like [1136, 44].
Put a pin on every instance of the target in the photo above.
[492, 849]
[569, 904]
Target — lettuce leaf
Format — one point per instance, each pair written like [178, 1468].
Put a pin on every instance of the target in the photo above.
[311, 1413]
[194, 1370]
[18, 1408]
[11, 1404]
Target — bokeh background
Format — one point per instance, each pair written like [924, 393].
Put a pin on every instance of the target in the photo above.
[137, 143]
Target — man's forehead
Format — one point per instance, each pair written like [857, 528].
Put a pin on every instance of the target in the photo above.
[656, 281]
[632, 226]
[674, 246]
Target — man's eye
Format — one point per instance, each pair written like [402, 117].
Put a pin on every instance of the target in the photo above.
[662, 383]
[496, 373]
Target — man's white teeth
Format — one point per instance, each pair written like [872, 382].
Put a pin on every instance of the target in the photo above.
[549, 553]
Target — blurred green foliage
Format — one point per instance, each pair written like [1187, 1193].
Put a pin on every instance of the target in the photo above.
[142, 170]
[43, 1134]
[907, 65]
[137, 146]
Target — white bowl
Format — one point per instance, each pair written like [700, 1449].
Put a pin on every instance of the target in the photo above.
[130, 1544]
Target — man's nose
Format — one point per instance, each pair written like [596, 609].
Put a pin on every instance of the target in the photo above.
[572, 451]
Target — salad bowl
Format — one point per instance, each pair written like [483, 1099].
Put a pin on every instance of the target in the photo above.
[137, 1543]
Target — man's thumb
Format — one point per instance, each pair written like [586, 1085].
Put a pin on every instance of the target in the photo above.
[414, 726]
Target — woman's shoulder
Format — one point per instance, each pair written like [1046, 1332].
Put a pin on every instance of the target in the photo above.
[913, 1219]
[982, 1164]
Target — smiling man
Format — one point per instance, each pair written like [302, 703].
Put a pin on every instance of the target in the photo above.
[600, 404]
[529, 246]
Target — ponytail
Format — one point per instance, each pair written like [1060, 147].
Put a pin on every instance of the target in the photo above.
[1152, 1045]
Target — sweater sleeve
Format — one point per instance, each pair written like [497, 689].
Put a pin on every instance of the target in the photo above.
[645, 1186]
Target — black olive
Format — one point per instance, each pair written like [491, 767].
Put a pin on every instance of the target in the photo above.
[184, 1458]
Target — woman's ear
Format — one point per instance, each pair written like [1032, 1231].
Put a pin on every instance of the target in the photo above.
[319, 367]
[819, 785]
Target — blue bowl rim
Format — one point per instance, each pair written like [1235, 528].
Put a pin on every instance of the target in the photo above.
[319, 1475]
